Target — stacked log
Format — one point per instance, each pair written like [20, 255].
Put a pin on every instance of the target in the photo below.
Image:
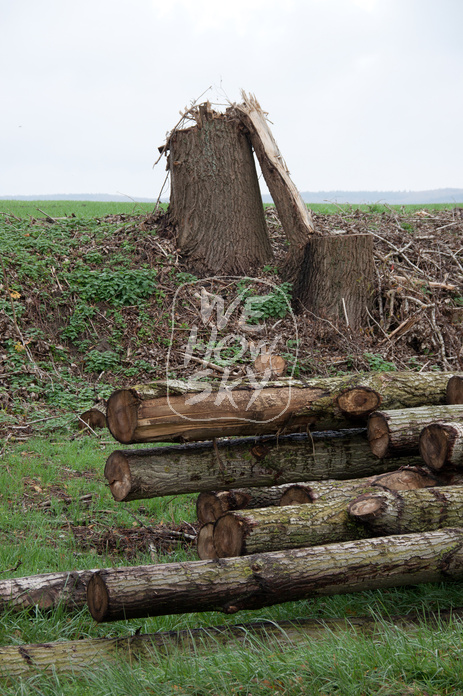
[228, 464]
[212, 505]
[318, 512]
[176, 411]
[397, 432]
[252, 582]
[442, 444]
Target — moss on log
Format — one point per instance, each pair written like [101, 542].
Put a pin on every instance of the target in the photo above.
[252, 582]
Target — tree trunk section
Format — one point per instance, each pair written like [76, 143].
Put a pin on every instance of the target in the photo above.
[252, 582]
[215, 201]
[336, 279]
[245, 532]
[46, 591]
[212, 505]
[78, 656]
[441, 444]
[194, 468]
[293, 213]
[455, 390]
[187, 412]
[424, 510]
[397, 433]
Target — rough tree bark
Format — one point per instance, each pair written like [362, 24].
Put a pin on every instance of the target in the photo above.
[252, 582]
[336, 279]
[244, 532]
[397, 432]
[442, 444]
[47, 590]
[193, 468]
[212, 505]
[146, 414]
[215, 201]
[403, 512]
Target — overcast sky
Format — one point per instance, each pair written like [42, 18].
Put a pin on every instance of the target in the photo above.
[362, 94]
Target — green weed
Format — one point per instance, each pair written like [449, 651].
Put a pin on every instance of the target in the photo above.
[377, 363]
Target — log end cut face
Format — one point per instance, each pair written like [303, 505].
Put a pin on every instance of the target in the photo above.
[229, 536]
[296, 495]
[122, 415]
[434, 445]
[378, 434]
[205, 542]
[97, 597]
[366, 507]
[117, 472]
[454, 392]
[359, 401]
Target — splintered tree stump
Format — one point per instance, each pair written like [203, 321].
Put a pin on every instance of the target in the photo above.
[293, 213]
[396, 433]
[270, 461]
[404, 512]
[441, 444]
[212, 505]
[455, 390]
[260, 580]
[336, 279]
[215, 201]
[147, 414]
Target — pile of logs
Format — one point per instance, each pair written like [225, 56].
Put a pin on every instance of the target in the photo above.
[289, 507]
[327, 485]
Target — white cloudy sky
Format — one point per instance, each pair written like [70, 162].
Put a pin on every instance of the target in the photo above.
[362, 94]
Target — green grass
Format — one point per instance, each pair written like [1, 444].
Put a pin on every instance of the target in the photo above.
[81, 209]
[390, 662]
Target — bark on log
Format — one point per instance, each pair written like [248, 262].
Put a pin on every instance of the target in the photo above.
[193, 468]
[441, 444]
[294, 215]
[393, 512]
[245, 532]
[77, 656]
[215, 202]
[336, 279]
[212, 505]
[396, 433]
[455, 390]
[251, 582]
[147, 413]
[47, 590]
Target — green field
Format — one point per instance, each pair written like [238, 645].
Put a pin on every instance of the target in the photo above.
[84, 209]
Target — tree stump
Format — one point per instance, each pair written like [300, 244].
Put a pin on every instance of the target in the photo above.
[215, 201]
[336, 279]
